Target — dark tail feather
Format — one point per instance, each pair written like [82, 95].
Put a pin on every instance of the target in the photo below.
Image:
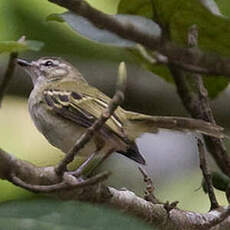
[133, 153]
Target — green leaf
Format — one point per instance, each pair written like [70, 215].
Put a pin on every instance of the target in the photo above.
[215, 85]
[138, 7]
[214, 31]
[145, 7]
[82, 26]
[220, 181]
[47, 214]
[15, 46]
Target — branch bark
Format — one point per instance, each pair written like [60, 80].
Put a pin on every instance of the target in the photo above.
[207, 175]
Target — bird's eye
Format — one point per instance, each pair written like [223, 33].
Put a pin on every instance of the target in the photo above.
[48, 63]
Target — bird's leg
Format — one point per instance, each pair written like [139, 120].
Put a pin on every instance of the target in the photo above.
[78, 172]
[99, 145]
[106, 155]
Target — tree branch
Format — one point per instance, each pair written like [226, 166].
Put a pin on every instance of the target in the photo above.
[217, 220]
[193, 60]
[126, 201]
[68, 183]
[149, 192]
[207, 175]
[197, 104]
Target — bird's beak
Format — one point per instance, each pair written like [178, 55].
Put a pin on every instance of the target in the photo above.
[23, 62]
[29, 67]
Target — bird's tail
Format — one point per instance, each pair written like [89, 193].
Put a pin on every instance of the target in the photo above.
[140, 123]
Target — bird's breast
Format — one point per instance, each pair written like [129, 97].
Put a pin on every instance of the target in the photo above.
[60, 132]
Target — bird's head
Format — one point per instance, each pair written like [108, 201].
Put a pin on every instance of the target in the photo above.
[49, 69]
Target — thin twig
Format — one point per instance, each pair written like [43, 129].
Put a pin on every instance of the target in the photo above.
[97, 125]
[149, 192]
[143, 52]
[154, 58]
[207, 176]
[192, 36]
[204, 100]
[64, 185]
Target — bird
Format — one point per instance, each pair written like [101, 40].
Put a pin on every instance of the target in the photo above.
[63, 105]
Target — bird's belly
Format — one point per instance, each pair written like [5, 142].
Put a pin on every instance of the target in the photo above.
[60, 132]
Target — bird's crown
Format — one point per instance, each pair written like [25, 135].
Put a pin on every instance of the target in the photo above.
[50, 68]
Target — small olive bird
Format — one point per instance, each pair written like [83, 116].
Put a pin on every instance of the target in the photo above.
[63, 105]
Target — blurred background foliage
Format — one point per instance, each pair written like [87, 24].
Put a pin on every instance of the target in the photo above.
[69, 215]
[172, 156]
